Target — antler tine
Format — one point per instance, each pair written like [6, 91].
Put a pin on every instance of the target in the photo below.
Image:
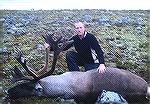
[59, 40]
[55, 45]
[52, 42]
[66, 43]
[22, 61]
[49, 39]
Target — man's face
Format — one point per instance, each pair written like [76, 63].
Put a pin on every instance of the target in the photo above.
[80, 29]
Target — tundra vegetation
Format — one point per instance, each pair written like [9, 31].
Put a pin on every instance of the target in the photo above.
[123, 36]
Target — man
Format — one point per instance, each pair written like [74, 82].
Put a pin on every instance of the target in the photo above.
[88, 52]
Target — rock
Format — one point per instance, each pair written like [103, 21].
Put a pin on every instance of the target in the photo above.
[139, 20]
[10, 26]
[39, 46]
[1, 90]
[19, 25]
[20, 31]
[139, 27]
[87, 18]
[10, 31]
[2, 19]
[3, 50]
[104, 21]
[108, 97]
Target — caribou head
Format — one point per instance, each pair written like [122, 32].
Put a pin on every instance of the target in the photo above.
[81, 86]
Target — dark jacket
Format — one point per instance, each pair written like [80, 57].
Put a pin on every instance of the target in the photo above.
[88, 48]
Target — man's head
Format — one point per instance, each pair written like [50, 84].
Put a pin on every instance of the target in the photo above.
[79, 28]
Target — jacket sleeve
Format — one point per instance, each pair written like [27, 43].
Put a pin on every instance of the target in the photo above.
[95, 45]
[68, 46]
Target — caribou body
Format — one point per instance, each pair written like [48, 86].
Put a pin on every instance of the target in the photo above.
[81, 86]
[86, 86]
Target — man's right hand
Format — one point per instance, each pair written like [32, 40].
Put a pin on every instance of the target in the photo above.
[46, 45]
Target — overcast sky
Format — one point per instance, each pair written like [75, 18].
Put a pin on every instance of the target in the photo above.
[75, 4]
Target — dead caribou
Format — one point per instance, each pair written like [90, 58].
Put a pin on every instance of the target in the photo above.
[81, 86]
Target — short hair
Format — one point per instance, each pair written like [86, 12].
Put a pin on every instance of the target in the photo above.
[77, 21]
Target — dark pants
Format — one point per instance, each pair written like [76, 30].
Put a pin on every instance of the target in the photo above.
[74, 61]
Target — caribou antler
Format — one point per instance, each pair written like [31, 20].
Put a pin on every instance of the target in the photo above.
[57, 45]
[18, 75]
[33, 74]
[22, 61]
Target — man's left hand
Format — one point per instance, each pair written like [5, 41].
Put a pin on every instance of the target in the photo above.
[101, 68]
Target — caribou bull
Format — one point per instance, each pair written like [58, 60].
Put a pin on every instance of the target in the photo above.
[81, 86]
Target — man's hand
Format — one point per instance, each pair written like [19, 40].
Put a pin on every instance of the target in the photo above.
[101, 68]
[46, 45]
